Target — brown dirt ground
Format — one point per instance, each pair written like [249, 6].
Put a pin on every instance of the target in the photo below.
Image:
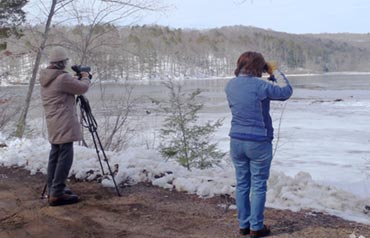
[142, 211]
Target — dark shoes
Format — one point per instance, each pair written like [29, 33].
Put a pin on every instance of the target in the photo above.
[65, 199]
[244, 231]
[265, 231]
[68, 191]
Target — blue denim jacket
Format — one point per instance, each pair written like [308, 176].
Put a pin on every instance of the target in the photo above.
[249, 101]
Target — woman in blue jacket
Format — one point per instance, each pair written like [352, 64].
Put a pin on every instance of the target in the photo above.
[251, 135]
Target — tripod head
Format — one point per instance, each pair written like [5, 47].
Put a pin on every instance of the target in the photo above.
[78, 69]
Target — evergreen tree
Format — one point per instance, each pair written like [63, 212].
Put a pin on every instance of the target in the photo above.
[11, 18]
[182, 138]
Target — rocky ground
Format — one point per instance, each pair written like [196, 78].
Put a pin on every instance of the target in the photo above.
[142, 211]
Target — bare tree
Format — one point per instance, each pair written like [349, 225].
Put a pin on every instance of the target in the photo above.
[277, 142]
[96, 14]
[55, 6]
[95, 24]
[94, 38]
[116, 115]
[7, 109]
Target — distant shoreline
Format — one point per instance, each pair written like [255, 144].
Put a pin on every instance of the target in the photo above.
[145, 81]
[329, 73]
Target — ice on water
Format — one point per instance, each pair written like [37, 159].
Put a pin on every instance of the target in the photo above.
[322, 161]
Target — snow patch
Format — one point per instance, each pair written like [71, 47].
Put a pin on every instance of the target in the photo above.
[140, 165]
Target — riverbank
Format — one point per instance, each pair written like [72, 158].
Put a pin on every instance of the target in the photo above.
[142, 211]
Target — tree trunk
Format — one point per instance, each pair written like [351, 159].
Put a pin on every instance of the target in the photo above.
[22, 119]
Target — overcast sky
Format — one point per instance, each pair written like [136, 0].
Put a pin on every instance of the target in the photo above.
[293, 16]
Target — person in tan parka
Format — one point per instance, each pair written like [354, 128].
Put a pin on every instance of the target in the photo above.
[58, 90]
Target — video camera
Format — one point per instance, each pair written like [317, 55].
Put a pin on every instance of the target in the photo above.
[78, 69]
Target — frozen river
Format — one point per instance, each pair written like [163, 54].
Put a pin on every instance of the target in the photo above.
[324, 127]
[322, 132]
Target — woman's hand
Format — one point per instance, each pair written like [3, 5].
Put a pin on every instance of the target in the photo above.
[271, 67]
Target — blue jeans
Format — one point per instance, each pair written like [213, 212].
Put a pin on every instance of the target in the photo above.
[252, 161]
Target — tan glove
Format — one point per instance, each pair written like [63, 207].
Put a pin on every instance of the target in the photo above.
[271, 67]
[84, 75]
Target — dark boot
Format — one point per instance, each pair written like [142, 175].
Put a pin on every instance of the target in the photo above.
[65, 199]
[265, 231]
[68, 191]
[244, 231]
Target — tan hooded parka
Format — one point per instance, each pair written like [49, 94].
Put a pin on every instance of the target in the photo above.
[58, 90]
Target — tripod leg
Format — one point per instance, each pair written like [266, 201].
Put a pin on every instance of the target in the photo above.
[43, 191]
[91, 124]
[106, 161]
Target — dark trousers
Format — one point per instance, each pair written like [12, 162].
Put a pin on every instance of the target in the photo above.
[60, 162]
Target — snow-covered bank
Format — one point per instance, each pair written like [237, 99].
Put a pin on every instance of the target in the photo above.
[23, 81]
[141, 165]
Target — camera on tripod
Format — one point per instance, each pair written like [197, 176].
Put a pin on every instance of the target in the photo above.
[78, 69]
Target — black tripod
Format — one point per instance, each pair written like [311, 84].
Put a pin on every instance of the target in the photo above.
[90, 123]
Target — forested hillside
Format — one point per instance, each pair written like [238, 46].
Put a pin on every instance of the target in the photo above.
[155, 52]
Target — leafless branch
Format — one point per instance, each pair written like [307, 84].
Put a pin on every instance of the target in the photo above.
[279, 128]
[8, 110]
[62, 4]
[115, 133]
[146, 7]
[239, 2]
